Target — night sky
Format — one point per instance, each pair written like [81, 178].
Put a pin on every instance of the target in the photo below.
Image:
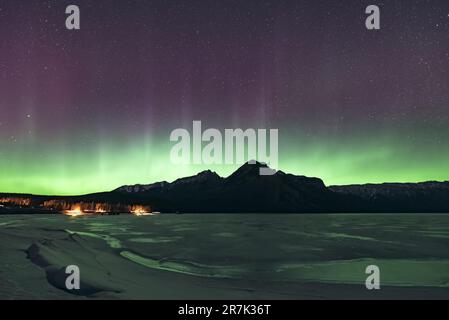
[90, 110]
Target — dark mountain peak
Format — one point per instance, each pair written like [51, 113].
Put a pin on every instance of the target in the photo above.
[136, 188]
[206, 176]
[251, 169]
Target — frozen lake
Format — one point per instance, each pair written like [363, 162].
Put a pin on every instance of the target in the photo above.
[225, 256]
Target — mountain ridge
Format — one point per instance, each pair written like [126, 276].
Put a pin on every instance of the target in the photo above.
[246, 191]
[284, 192]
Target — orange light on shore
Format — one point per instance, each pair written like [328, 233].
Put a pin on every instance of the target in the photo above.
[92, 208]
[16, 201]
[140, 211]
[74, 212]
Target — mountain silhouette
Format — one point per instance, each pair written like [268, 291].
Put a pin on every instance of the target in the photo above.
[246, 191]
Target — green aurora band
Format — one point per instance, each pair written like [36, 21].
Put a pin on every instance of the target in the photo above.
[38, 167]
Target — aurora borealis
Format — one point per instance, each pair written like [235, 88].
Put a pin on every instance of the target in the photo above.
[92, 109]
